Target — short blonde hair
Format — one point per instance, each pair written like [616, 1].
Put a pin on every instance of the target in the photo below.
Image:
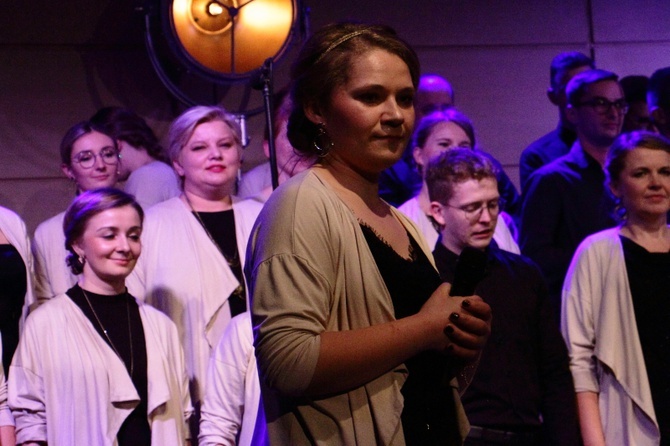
[183, 127]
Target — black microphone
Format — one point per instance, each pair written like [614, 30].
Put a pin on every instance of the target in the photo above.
[470, 270]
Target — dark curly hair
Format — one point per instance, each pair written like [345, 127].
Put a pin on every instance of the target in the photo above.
[125, 125]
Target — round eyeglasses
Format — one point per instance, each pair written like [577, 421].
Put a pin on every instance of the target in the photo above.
[473, 211]
[86, 159]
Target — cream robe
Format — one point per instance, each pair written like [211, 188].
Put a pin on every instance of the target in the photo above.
[183, 274]
[52, 275]
[312, 271]
[501, 233]
[68, 387]
[599, 327]
[231, 403]
[15, 230]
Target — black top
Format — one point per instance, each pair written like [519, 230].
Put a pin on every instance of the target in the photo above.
[13, 285]
[649, 279]
[565, 202]
[523, 381]
[221, 227]
[551, 146]
[112, 311]
[428, 417]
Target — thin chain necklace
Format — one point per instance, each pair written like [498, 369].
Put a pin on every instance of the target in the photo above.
[233, 262]
[104, 330]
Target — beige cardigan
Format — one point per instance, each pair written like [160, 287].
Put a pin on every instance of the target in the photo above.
[68, 387]
[599, 327]
[183, 274]
[311, 271]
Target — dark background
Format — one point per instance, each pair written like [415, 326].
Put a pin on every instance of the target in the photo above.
[61, 61]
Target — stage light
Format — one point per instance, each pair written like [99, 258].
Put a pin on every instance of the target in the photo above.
[231, 38]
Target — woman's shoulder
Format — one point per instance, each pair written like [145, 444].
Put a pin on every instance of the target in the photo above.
[247, 206]
[9, 216]
[51, 225]
[156, 316]
[168, 207]
[46, 312]
[599, 249]
[608, 237]
[301, 214]
[11, 222]
[303, 190]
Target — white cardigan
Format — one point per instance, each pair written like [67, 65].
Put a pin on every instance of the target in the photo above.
[231, 403]
[15, 230]
[68, 387]
[52, 275]
[183, 274]
[599, 327]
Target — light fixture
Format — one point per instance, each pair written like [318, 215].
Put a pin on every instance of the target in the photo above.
[225, 41]
[215, 8]
[200, 49]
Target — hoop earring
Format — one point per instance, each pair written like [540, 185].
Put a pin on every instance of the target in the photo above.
[322, 143]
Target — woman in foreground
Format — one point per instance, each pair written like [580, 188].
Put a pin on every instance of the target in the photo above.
[345, 296]
[93, 366]
[616, 307]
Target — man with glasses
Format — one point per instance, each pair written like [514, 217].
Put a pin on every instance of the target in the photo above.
[567, 200]
[521, 393]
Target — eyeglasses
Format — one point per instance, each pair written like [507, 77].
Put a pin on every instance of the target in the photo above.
[603, 106]
[474, 211]
[86, 159]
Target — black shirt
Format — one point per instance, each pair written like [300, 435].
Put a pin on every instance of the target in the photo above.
[551, 146]
[13, 285]
[523, 382]
[221, 228]
[566, 201]
[112, 313]
[649, 280]
[428, 416]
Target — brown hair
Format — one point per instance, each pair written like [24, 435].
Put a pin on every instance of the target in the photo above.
[455, 166]
[72, 136]
[83, 208]
[323, 64]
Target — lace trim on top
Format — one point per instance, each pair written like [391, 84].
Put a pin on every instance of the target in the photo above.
[413, 256]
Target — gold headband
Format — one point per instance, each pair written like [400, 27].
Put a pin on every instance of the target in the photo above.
[339, 42]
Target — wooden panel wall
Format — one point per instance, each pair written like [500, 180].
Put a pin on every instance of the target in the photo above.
[63, 60]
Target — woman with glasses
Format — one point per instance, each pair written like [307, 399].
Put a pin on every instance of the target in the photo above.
[433, 135]
[195, 244]
[95, 367]
[616, 307]
[90, 159]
